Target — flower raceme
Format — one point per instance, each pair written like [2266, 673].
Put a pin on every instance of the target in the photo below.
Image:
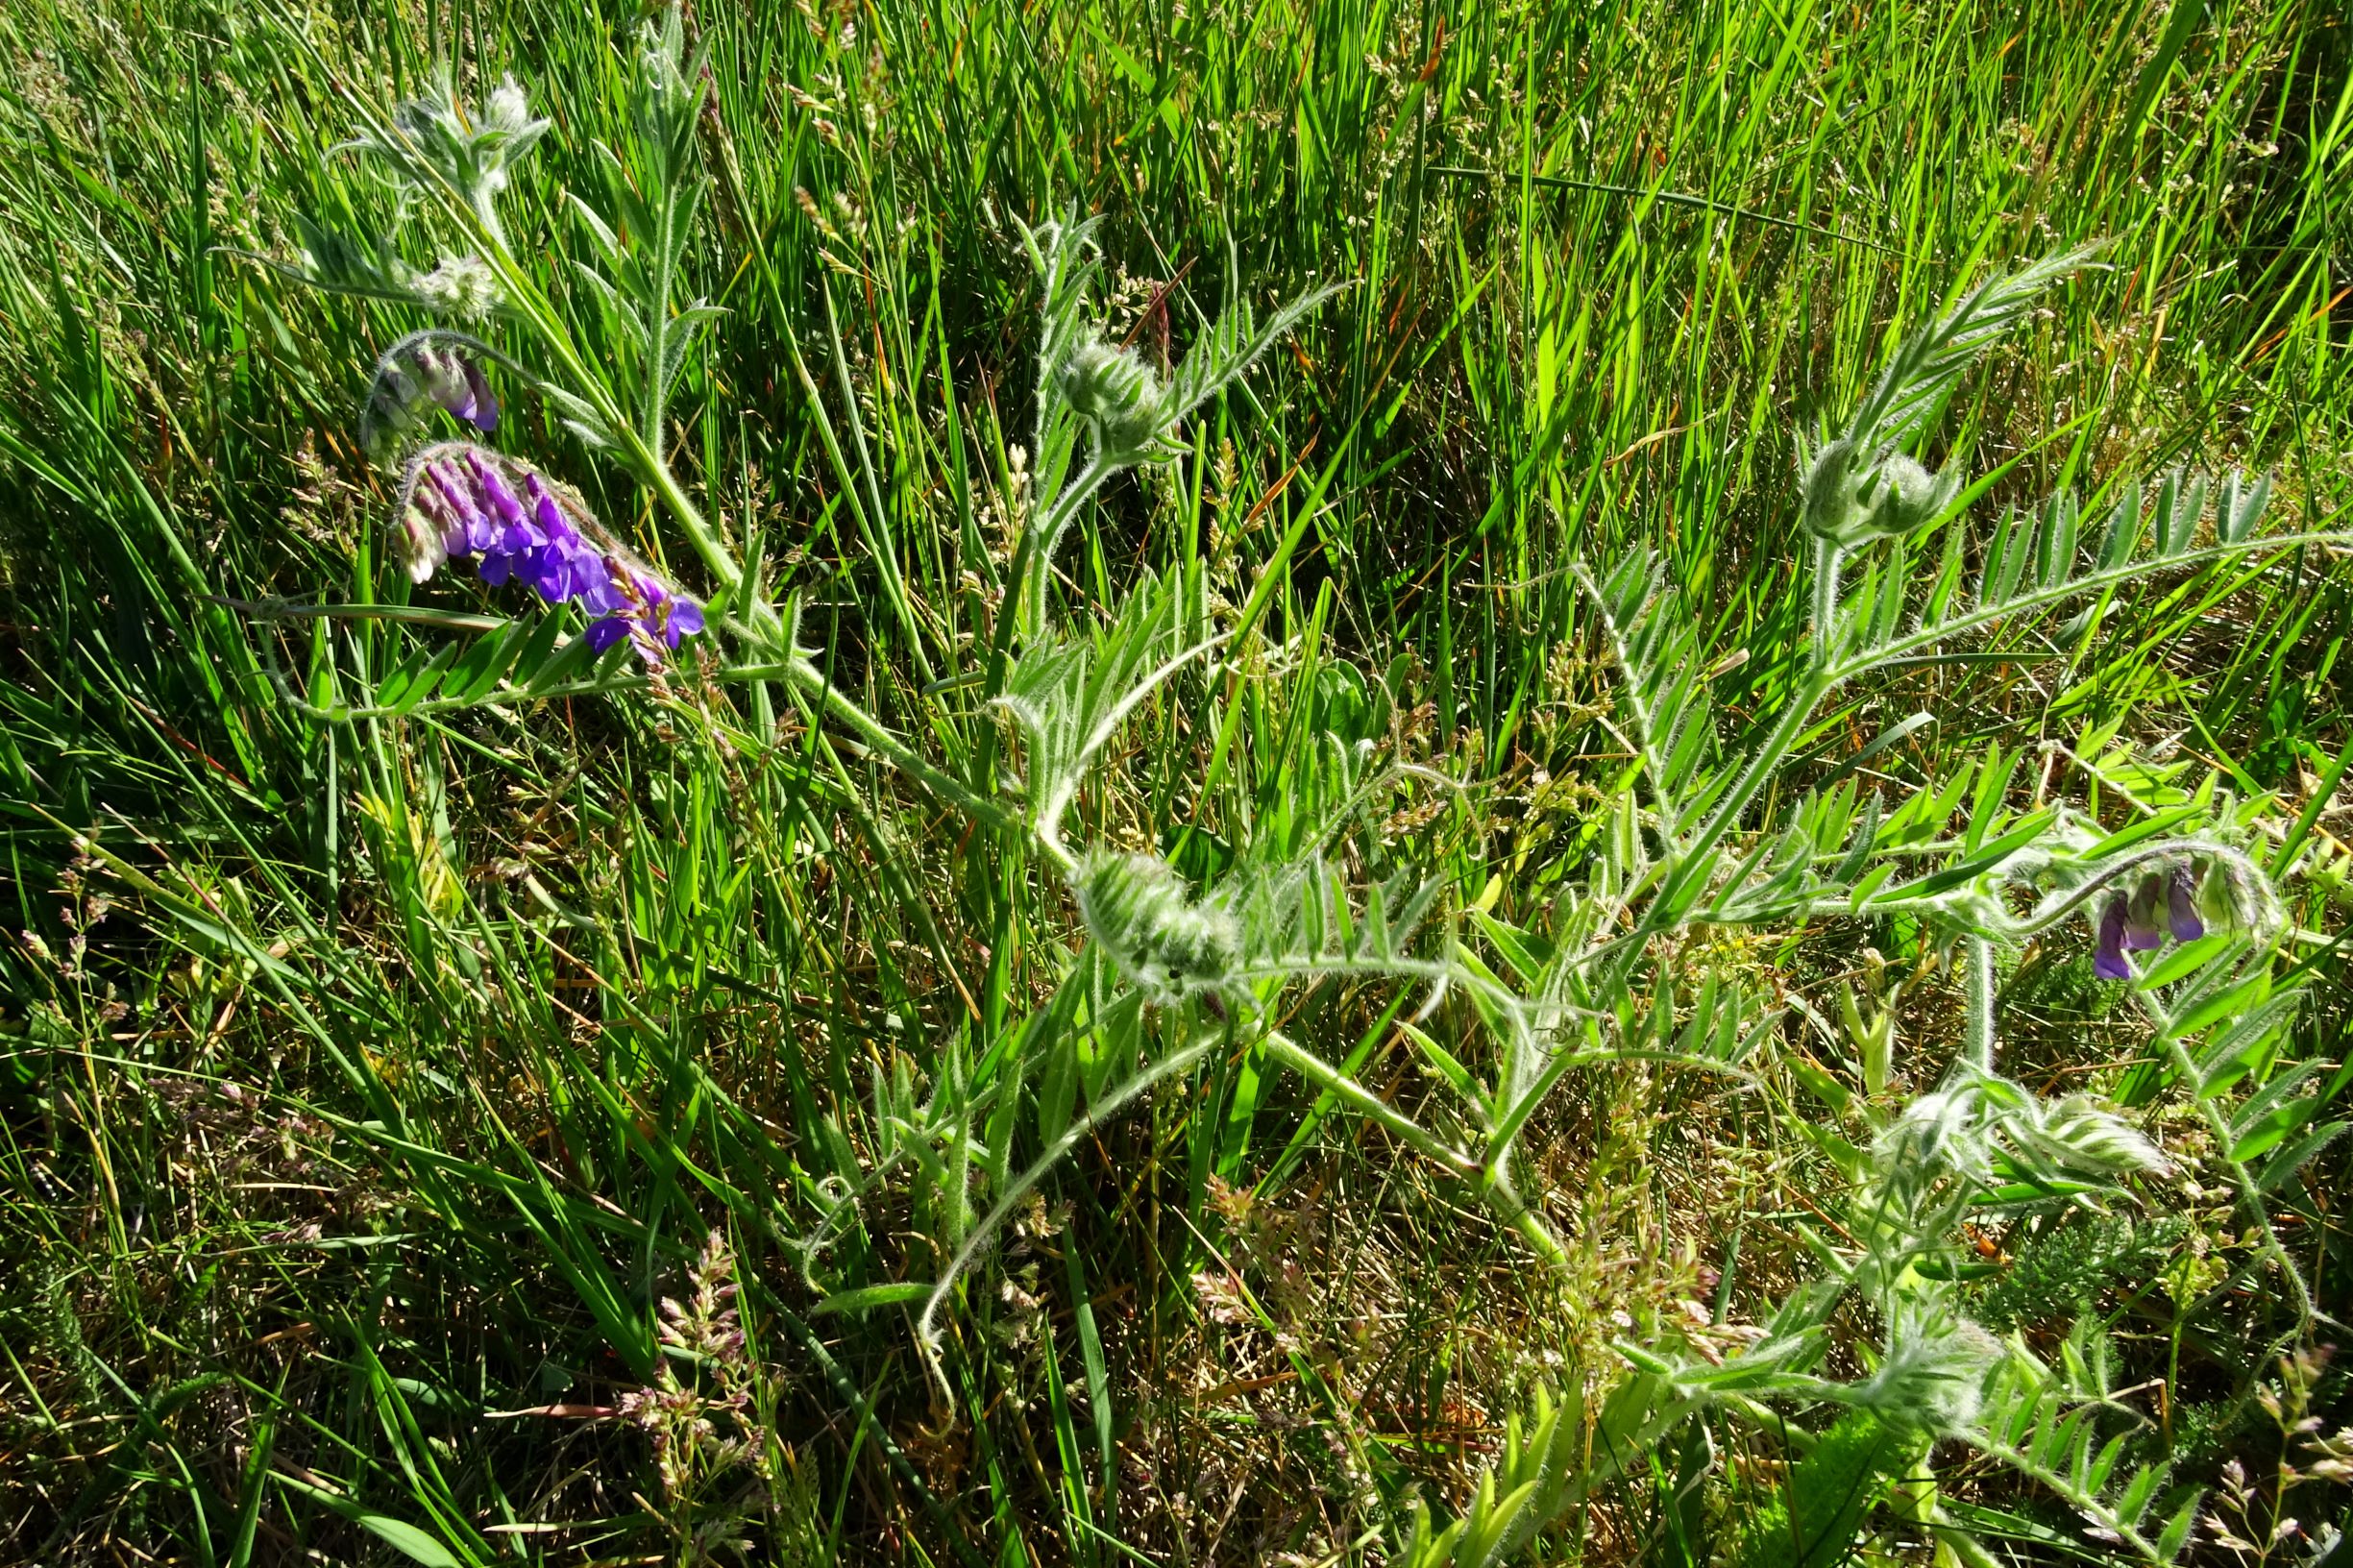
[2138, 919]
[416, 370]
[467, 508]
[456, 383]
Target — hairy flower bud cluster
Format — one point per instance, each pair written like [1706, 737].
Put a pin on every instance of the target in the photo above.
[1116, 393]
[469, 510]
[1851, 499]
[1139, 909]
[462, 286]
[1931, 1375]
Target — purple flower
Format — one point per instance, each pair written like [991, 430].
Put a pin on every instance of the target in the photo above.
[485, 404]
[654, 618]
[600, 590]
[686, 619]
[498, 497]
[513, 535]
[668, 617]
[562, 565]
[603, 634]
[471, 532]
[2109, 962]
[2143, 912]
[2181, 905]
[456, 383]
[549, 515]
[473, 510]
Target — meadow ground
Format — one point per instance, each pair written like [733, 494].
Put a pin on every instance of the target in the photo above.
[1181, 1018]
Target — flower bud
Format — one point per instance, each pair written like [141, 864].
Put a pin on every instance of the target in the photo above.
[1114, 391]
[422, 542]
[2108, 960]
[2143, 912]
[1851, 501]
[1138, 908]
[455, 381]
[2226, 898]
[2181, 904]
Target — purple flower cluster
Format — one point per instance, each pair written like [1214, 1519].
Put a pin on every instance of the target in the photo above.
[472, 511]
[456, 383]
[2138, 921]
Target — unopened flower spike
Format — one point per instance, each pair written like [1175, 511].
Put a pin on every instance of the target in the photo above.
[1120, 396]
[2227, 896]
[434, 138]
[1850, 498]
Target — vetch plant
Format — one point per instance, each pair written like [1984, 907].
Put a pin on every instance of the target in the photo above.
[1980, 1144]
[1711, 831]
[464, 506]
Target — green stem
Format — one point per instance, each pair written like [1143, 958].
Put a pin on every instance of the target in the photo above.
[1504, 1200]
[657, 323]
[2033, 1469]
[1009, 615]
[1038, 543]
[715, 557]
[1342, 1087]
[1977, 1044]
[1827, 559]
[1493, 1186]
[2093, 583]
[642, 447]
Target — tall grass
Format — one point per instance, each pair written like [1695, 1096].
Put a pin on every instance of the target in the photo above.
[379, 1064]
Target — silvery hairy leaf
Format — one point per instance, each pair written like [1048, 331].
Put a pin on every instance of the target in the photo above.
[1070, 696]
[436, 140]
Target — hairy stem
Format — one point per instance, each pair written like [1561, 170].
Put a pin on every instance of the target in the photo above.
[1037, 542]
[2091, 582]
[1977, 1044]
[1493, 1186]
[1346, 1090]
[891, 750]
[1082, 1128]
[1827, 559]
